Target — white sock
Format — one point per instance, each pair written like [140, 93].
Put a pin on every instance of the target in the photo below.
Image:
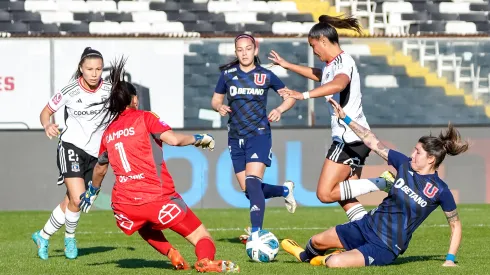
[350, 189]
[71, 223]
[356, 212]
[54, 223]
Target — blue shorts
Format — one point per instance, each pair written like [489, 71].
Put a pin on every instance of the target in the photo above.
[253, 149]
[359, 235]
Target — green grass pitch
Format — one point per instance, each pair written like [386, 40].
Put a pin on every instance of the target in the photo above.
[103, 249]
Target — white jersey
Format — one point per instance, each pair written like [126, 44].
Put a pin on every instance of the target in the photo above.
[349, 98]
[81, 120]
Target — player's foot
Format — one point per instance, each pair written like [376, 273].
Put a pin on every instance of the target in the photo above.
[221, 266]
[42, 245]
[320, 260]
[243, 238]
[390, 180]
[292, 247]
[289, 199]
[71, 250]
[177, 260]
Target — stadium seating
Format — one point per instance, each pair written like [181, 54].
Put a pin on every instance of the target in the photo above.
[152, 17]
[390, 96]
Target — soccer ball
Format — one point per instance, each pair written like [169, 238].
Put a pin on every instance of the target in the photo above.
[262, 246]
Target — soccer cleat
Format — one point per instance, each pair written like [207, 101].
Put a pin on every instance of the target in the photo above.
[390, 180]
[243, 238]
[177, 260]
[220, 266]
[42, 245]
[71, 250]
[289, 199]
[320, 260]
[292, 247]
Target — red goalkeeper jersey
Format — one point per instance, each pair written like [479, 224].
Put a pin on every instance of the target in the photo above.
[126, 145]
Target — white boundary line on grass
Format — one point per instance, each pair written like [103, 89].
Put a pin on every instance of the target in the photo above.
[282, 228]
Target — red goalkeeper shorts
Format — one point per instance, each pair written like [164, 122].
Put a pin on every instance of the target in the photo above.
[170, 213]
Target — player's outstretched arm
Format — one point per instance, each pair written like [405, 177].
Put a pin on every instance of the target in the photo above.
[456, 233]
[176, 139]
[368, 137]
[311, 73]
[88, 197]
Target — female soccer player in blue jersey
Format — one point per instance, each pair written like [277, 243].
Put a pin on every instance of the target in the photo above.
[339, 79]
[382, 235]
[245, 84]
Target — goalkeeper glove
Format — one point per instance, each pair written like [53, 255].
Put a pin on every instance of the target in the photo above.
[204, 141]
[88, 197]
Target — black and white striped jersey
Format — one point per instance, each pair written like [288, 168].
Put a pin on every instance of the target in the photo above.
[81, 120]
[349, 98]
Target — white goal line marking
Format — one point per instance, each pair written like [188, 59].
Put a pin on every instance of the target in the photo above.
[283, 228]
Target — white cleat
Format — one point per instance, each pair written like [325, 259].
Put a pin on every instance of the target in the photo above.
[289, 199]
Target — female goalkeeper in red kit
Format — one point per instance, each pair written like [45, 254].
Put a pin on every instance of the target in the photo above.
[142, 199]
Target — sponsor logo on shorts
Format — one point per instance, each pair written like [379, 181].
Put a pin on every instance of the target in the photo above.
[168, 213]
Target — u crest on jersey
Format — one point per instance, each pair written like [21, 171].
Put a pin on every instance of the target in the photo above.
[259, 79]
[430, 190]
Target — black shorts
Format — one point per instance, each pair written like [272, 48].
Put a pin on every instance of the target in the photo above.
[352, 154]
[73, 162]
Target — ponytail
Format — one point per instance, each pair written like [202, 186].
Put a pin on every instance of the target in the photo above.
[453, 144]
[236, 61]
[447, 143]
[121, 94]
[327, 24]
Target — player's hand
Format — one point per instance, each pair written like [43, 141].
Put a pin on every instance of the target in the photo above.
[287, 93]
[51, 130]
[88, 197]
[204, 141]
[274, 115]
[337, 109]
[223, 110]
[278, 60]
[449, 264]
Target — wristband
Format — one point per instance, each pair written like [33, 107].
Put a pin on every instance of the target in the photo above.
[306, 95]
[347, 120]
[450, 257]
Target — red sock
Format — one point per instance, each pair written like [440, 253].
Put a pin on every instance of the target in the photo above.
[156, 239]
[205, 249]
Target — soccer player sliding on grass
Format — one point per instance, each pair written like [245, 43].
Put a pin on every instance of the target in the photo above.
[142, 200]
[384, 233]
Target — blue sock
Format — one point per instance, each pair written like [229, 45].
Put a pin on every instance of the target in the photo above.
[254, 191]
[310, 252]
[272, 191]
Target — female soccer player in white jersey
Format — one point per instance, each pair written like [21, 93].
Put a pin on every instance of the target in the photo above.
[381, 236]
[340, 80]
[78, 146]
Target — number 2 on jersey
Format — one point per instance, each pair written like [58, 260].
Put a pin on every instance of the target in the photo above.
[122, 154]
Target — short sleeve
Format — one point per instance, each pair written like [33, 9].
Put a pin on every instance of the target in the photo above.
[220, 86]
[447, 201]
[57, 101]
[103, 154]
[345, 66]
[154, 124]
[276, 83]
[396, 158]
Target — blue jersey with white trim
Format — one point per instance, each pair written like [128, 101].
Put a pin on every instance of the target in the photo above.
[247, 97]
[409, 202]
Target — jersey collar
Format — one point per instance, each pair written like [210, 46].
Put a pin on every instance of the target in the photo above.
[87, 90]
[328, 63]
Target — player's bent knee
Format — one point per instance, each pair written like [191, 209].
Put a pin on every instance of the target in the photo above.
[325, 197]
[334, 262]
